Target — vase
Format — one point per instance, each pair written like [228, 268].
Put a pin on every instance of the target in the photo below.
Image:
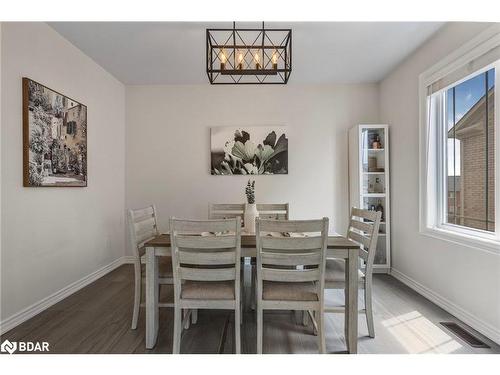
[250, 215]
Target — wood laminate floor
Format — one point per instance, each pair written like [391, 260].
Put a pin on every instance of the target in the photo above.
[97, 318]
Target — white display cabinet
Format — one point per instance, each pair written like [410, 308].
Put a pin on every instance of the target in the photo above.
[369, 182]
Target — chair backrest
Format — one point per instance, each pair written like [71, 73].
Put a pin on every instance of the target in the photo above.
[205, 250]
[225, 210]
[143, 226]
[277, 211]
[274, 211]
[278, 255]
[364, 229]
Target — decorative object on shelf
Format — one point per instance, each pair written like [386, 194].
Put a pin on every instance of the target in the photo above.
[249, 150]
[380, 208]
[249, 56]
[376, 144]
[251, 212]
[378, 187]
[372, 163]
[54, 138]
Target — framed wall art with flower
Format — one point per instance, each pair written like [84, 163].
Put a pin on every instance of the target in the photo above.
[249, 150]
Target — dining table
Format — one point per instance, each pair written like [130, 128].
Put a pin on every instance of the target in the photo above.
[338, 247]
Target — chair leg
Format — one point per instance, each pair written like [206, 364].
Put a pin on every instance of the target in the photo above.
[237, 330]
[253, 293]
[369, 310]
[137, 294]
[185, 313]
[320, 320]
[177, 330]
[346, 315]
[241, 312]
[305, 318]
[194, 316]
[259, 329]
[314, 322]
[242, 283]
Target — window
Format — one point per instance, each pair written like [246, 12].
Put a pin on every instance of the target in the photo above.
[71, 127]
[459, 145]
[469, 156]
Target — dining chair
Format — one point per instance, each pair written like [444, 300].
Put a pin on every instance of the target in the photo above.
[143, 226]
[290, 269]
[275, 211]
[363, 229]
[278, 211]
[206, 264]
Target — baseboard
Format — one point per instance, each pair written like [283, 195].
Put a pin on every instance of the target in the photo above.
[35, 309]
[127, 259]
[386, 270]
[482, 327]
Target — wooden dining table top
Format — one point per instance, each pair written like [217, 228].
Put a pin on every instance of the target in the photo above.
[248, 240]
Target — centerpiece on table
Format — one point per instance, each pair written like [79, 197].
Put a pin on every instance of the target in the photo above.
[251, 212]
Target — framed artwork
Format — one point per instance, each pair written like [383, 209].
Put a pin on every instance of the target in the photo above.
[249, 150]
[54, 138]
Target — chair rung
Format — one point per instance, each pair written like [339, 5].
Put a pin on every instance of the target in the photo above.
[340, 310]
[161, 304]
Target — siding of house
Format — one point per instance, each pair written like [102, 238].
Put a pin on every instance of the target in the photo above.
[473, 171]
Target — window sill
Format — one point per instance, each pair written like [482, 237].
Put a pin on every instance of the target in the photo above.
[463, 239]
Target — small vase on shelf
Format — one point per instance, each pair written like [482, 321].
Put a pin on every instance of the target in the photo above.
[251, 212]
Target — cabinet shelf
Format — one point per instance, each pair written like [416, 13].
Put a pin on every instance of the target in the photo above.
[369, 171]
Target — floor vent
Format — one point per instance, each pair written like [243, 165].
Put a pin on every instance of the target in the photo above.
[465, 335]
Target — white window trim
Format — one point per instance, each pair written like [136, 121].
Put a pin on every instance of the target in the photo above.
[429, 204]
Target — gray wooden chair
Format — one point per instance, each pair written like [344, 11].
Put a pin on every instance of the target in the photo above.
[363, 229]
[278, 211]
[271, 211]
[143, 226]
[206, 270]
[290, 270]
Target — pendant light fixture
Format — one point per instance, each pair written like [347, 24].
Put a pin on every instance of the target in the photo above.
[249, 56]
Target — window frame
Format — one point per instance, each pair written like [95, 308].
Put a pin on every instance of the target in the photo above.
[432, 150]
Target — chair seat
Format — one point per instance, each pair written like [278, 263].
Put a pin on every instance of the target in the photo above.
[335, 271]
[164, 266]
[208, 290]
[289, 291]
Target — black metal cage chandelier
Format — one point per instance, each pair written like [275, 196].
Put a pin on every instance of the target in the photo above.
[249, 56]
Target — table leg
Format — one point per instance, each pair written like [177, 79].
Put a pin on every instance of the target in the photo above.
[346, 304]
[352, 307]
[152, 291]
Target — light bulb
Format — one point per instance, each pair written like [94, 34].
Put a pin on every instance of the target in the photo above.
[257, 61]
[222, 60]
[274, 60]
[240, 60]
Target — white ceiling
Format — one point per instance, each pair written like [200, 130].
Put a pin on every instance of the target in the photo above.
[174, 52]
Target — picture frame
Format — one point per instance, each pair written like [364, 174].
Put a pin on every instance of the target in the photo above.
[54, 138]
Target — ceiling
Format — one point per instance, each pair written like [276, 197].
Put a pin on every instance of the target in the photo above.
[144, 53]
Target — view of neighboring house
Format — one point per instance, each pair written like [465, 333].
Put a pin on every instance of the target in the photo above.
[471, 195]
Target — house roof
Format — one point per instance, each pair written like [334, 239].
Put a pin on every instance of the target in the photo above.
[469, 125]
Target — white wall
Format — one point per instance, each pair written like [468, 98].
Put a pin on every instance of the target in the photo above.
[52, 237]
[464, 280]
[168, 146]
